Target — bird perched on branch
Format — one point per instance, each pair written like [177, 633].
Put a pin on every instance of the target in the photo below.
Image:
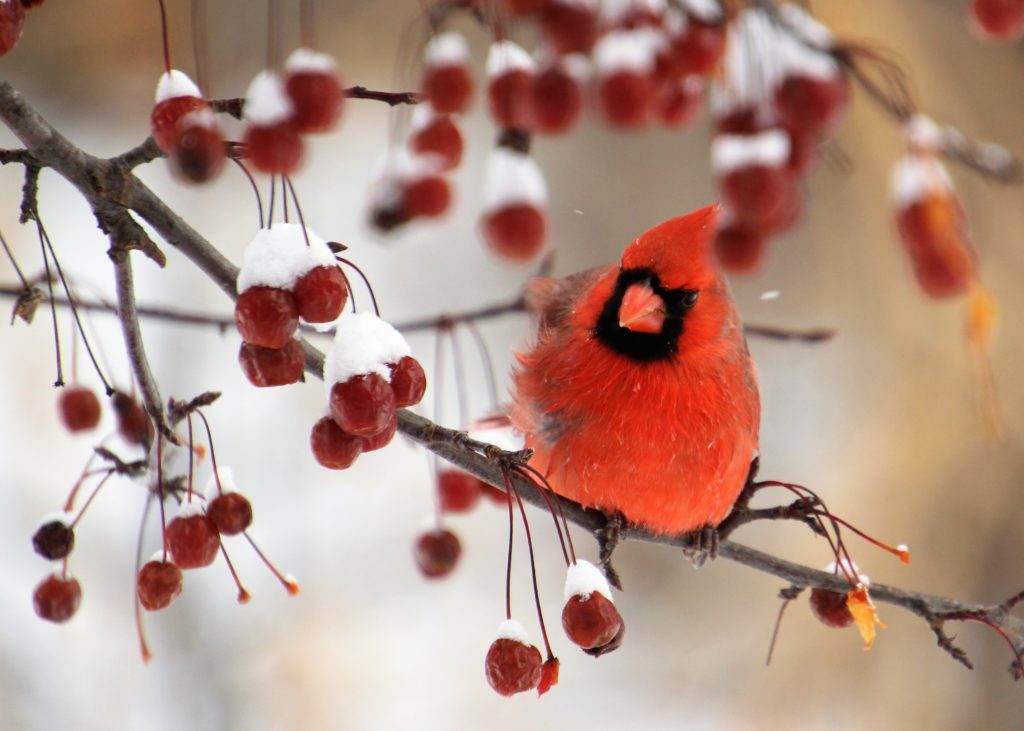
[639, 395]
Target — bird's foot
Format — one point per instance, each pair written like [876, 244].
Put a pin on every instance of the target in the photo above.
[607, 540]
[701, 546]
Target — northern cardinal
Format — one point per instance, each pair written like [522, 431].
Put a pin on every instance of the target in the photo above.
[639, 395]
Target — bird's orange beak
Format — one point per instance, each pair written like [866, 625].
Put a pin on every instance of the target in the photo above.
[642, 310]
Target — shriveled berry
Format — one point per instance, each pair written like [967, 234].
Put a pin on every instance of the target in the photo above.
[266, 316]
[516, 231]
[333, 448]
[197, 154]
[437, 553]
[427, 197]
[274, 148]
[382, 438]
[265, 367]
[408, 381]
[230, 512]
[830, 608]
[591, 622]
[166, 115]
[363, 405]
[317, 98]
[448, 87]
[158, 584]
[54, 540]
[441, 137]
[739, 249]
[56, 599]
[133, 422]
[458, 491]
[320, 294]
[79, 408]
[192, 540]
[512, 666]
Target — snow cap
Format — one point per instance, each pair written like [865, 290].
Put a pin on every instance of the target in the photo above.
[510, 629]
[363, 344]
[227, 482]
[628, 50]
[61, 517]
[614, 12]
[188, 508]
[512, 177]
[924, 134]
[770, 148]
[266, 102]
[851, 567]
[583, 579]
[446, 49]
[506, 56]
[708, 11]
[916, 177]
[175, 83]
[306, 61]
[278, 256]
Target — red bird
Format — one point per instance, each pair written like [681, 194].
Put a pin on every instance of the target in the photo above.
[639, 395]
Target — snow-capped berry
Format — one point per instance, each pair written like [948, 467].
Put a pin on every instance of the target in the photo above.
[813, 91]
[830, 608]
[515, 232]
[333, 448]
[280, 256]
[632, 14]
[436, 134]
[697, 48]
[176, 96]
[192, 538]
[56, 599]
[756, 182]
[54, 538]
[437, 553]
[589, 617]
[79, 408]
[362, 405]
[363, 343]
[158, 584]
[998, 20]
[679, 102]
[739, 249]
[427, 197]
[314, 89]
[408, 381]
[197, 153]
[321, 293]
[624, 65]
[512, 664]
[12, 23]
[556, 96]
[382, 438]
[457, 491]
[271, 136]
[133, 422]
[266, 316]
[513, 222]
[570, 26]
[267, 367]
[230, 512]
[510, 72]
[447, 83]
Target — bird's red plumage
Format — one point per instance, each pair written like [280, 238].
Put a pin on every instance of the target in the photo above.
[667, 443]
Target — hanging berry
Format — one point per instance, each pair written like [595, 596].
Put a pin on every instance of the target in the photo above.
[556, 95]
[696, 37]
[197, 152]
[54, 538]
[333, 448]
[437, 553]
[994, 20]
[510, 73]
[408, 187]
[447, 83]
[270, 133]
[457, 491]
[570, 26]
[176, 96]
[512, 665]
[56, 599]
[229, 510]
[432, 133]
[624, 64]
[589, 617]
[158, 584]
[757, 184]
[192, 538]
[514, 216]
[680, 101]
[79, 408]
[314, 89]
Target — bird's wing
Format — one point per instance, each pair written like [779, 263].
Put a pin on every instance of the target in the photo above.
[551, 300]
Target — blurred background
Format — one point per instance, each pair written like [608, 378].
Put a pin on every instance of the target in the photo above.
[881, 421]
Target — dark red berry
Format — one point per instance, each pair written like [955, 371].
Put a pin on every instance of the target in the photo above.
[274, 148]
[556, 100]
[512, 666]
[625, 98]
[739, 249]
[458, 491]
[440, 136]
[1000, 20]
[265, 367]
[56, 599]
[508, 98]
[762, 197]
[830, 608]
[333, 448]
[166, 115]
[810, 105]
[679, 102]
[230, 512]
[408, 381]
[437, 552]
[699, 48]
[427, 197]
[382, 438]
[448, 88]
[934, 231]
[266, 316]
[79, 408]
[158, 584]
[12, 23]
[193, 541]
[591, 622]
[133, 422]
[320, 294]
[197, 154]
[53, 540]
[363, 405]
[317, 97]
[516, 231]
[569, 27]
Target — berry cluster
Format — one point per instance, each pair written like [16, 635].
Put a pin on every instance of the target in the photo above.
[57, 597]
[287, 273]
[12, 21]
[369, 374]
[186, 129]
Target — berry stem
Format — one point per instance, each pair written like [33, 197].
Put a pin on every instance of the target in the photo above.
[531, 474]
[902, 553]
[69, 503]
[255, 188]
[14, 263]
[199, 44]
[160, 489]
[290, 585]
[373, 297]
[306, 24]
[533, 561]
[298, 208]
[486, 363]
[92, 495]
[458, 368]
[273, 33]
[243, 595]
[438, 386]
[163, 33]
[53, 307]
[191, 460]
[508, 564]
[213, 453]
[143, 645]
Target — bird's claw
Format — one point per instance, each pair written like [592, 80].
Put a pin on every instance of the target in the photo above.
[701, 546]
[607, 540]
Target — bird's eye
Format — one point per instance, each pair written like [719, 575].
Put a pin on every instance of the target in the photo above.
[689, 298]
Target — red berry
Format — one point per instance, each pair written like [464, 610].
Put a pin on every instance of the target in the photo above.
[363, 405]
[266, 316]
[512, 666]
[192, 540]
[197, 154]
[548, 675]
[440, 136]
[516, 231]
[274, 148]
[12, 23]
[810, 105]
[458, 491]
[762, 197]
[53, 540]
[625, 98]
[428, 196]
[508, 98]
[739, 249]
[556, 100]
[382, 438]
[744, 121]
[592, 622]
[132, 420]
[230, 512]
[158, 584]
[317, 97]
[333, 448]
[408, 381]
[934, 230]
[437, 552]
[266, 367]
[998, 20]
[166, 115]
[698, 49]
[56, 599]
[570, 26]
[679, 102]
[79, 408]
[830, 608]
[448, 87]
[321, 293]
